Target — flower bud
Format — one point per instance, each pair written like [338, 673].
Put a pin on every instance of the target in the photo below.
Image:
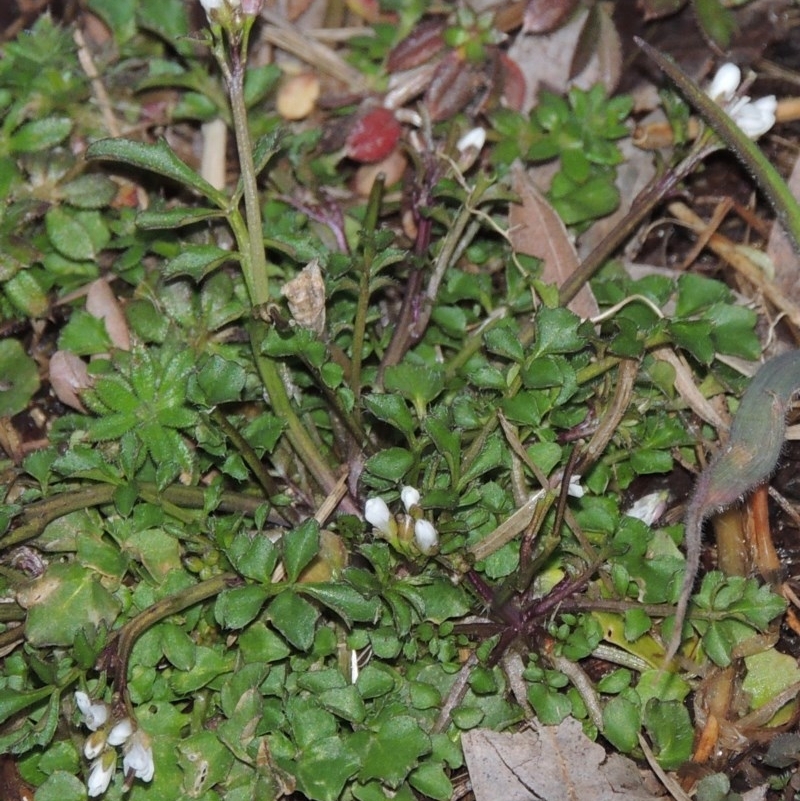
[120, 732]
[425, 536]
[725, 83]
[378, 515]
[410, 497]
[138, 759]
[94, 745]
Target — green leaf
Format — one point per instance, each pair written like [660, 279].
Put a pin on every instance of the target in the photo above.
[391, 463]
[254, 557]
[20, 380]
[323, 768]
[393, 751]
[431, 780]
[68, 235]
[621, 723]
[93, 191]
[295, 618]
[158, 158]
[392, 409]
[61, 786]
[343, 599]
[696, 292]
[717, 22]
[670, 731]
[344, 702]
[197, 261]
[237, 607]
[38, 135]
[733, 329]
[557, 331]
[300, 546]
[62, 601]
[168, 219]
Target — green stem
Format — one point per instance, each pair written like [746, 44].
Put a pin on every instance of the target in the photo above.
[360, 322]
[745, 149]
[254, 259]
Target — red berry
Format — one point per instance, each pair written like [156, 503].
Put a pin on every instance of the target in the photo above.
[373, 136]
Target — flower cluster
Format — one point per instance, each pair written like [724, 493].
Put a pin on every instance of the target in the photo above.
[397, 529]
[754, 117]
[137, 755]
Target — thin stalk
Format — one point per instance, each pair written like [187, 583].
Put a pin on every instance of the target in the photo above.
[360, 323]
[250, 240]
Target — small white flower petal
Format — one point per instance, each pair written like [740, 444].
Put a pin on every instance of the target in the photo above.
[94, 714]
[426, 536]
[120, 732]
[82, 700]
[756, 117]
[410, 497]
[575, 490]
[138, 758]
[725, 83]
[649, 507]
[101, 773]
[378, 515]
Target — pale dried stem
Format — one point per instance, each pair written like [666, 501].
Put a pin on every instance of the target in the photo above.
[731, 253]
[286, 36]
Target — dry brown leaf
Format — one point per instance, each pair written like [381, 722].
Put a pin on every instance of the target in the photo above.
[103, 304]
[555, 763]
[305, 294]
[547, 61]
[536, 230]
[68, 376]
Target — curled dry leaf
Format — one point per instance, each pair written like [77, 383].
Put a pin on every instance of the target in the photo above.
[297, 96]
[68, 377]
[103, 304]
[305, 294]
[536, 230]
[544, 16]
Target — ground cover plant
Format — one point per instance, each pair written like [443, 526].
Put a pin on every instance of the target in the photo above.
[331, 458]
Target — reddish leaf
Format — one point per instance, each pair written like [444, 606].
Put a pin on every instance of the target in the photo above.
[544, 16]
[656, 9]
[373, 136]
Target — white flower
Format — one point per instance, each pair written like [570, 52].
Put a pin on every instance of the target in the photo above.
[102, 771]
[410, 497]
[138, 757]
[575, 490]
[120, 732]
[425, 536]
[754, 117]
[216, 9]
[377, 513]
[94, 715]
[649, 507]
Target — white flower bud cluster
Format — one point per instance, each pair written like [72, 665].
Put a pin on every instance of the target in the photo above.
[393, 528]
[137, 755]
[754, 117]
